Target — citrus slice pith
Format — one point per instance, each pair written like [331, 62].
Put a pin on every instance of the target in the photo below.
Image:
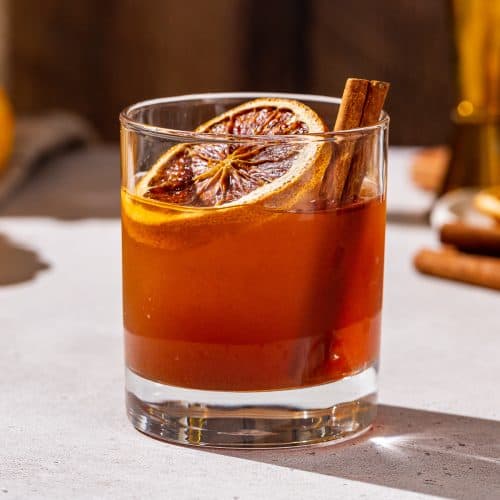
[225, 174]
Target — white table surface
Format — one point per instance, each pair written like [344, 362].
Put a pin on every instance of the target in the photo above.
[62, 419]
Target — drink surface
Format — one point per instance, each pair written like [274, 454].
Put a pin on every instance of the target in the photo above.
[250, 298]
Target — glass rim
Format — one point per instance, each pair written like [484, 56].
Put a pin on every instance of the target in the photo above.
[129, 123]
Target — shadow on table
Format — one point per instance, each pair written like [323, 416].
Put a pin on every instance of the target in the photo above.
[18, 263]
[80, 184]
[415, 450]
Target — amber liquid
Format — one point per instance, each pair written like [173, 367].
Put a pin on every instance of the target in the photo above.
[255, 300]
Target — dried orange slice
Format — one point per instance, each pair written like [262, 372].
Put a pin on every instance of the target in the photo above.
[212, 174]
[487, 201]
[238, 181]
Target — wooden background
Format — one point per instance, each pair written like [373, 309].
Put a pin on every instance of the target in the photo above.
[97, 56]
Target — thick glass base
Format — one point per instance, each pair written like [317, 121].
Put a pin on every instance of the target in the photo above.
[297, 417]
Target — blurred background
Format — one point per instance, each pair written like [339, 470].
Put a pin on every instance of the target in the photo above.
[94, 57]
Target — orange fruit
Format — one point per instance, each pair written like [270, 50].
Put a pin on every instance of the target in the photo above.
[6, 129]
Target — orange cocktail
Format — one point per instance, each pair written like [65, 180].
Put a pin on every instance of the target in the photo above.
[253, 254]
[274, 300]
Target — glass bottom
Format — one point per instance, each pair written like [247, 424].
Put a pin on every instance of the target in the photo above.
[297, 417]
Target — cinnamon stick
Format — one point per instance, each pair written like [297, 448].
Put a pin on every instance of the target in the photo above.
[375, 98]
[472, 239]
[429, 167]
[351, 107]
[362, 102]
[454, 265]
[349, 116]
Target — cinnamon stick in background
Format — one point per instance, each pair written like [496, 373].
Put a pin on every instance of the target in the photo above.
[429, 167]
[361, 105]
[472, 239]
[454, 265]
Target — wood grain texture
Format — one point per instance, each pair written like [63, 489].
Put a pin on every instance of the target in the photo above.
[405, 42]
[95, 57]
